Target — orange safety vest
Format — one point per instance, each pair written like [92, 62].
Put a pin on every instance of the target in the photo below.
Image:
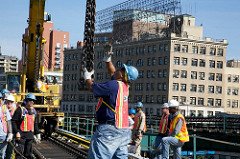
[137, 122]
[163, 124]
[28, 120]
[121, 109]
[183, 135]
[3, 118]
[42, 88]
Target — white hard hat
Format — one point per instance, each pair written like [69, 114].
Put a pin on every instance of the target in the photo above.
[10, 98]
[165, 105]
[173, 103]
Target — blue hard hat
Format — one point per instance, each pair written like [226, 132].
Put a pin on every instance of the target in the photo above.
[132, 72]
[139, 105]
[31, 96]
[1, 95]
[132, 111]
[5, 91]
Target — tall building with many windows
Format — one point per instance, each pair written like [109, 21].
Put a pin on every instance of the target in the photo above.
[182, 65]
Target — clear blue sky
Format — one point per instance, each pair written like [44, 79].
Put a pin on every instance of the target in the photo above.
[220, 19]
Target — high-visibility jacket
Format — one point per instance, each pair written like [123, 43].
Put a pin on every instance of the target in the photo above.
[28, 120]
[183, 135]
[163, 124]
[42, 88]
[3, 118]
[138, 121]
[121, 109]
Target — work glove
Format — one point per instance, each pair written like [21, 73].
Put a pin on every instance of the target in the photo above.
[36, 139]
[87, 75]
[10, 137]
[107, 53]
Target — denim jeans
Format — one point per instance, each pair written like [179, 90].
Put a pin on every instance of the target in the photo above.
[176, 146]
[109, 142]
[3, 146]
[158, 145]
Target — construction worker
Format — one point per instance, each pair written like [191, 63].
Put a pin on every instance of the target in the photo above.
[5, 93]
[111, 137]
[10, 103]
[178, 133]
[5, 130]
[139, 127]
[25, 126]
[163, 130]
[40, 87]
[131, 116]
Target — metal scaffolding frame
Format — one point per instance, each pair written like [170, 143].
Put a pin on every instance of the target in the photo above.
[104, 18]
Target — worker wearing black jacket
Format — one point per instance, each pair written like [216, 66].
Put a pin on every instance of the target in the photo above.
[25, 126]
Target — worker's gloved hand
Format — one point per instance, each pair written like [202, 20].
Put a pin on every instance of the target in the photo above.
[10, 137]
[107, 56]
[87, 75]
[36, 140]
[18, 136]
[39, 137]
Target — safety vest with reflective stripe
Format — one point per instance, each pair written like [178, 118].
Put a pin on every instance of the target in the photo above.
[163, 124]
[138, 121]
[3, 117]
[28, 120]
[42, 88]
[121, 109]
[183, 135]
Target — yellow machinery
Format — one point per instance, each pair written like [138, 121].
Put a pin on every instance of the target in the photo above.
[20, 84]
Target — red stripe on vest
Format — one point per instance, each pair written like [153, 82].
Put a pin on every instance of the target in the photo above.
[163, 124]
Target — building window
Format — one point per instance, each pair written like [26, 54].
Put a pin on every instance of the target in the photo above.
[183, 74]
[182, 100]
[200, 101]
[184, 61]
[164, 87]
[152, 86]
[219, 64]
[139, 62]
[229, 78]
[211, 76]
[184, 48]
[176, 60]
[211, 64]
[129, 62]
[228, 91]
[202, 75]
[165, 60]
[149, 49]
[210, 101]
[159, 73]
[153, 61]
[165, 73]
[193, 88]
[154, 48]
[153, 74]
[148, 73]
[152, 101]
[201, 88]
[193, 100]
[202, 63]
[175, 86]
[212, 51]
[175, 73]
[160, 60]
[149, 61]
[159, 86]
[220, 52]
[141, 74]
[235, 91]
[158, 99]
[164, 99]
[166, 47]
[119, 64]
[235, 79]
[228, 103]
[183, 87]
[160, 48]
[195, 49]
[176, 47]
[210, 89]
[235, 104]
[193, 75]
[218, 90]
[175, 98]
[218, 102]
[148, 87]
[218, 77]
[194, 62]
[203, 50]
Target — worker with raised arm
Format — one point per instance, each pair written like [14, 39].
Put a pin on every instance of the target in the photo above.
[139, 127]
[111, 137]
[5, 129]
[163, 131]
[25, 126]
[178, 133]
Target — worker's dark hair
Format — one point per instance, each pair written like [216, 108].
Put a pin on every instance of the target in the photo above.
[42, 78]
